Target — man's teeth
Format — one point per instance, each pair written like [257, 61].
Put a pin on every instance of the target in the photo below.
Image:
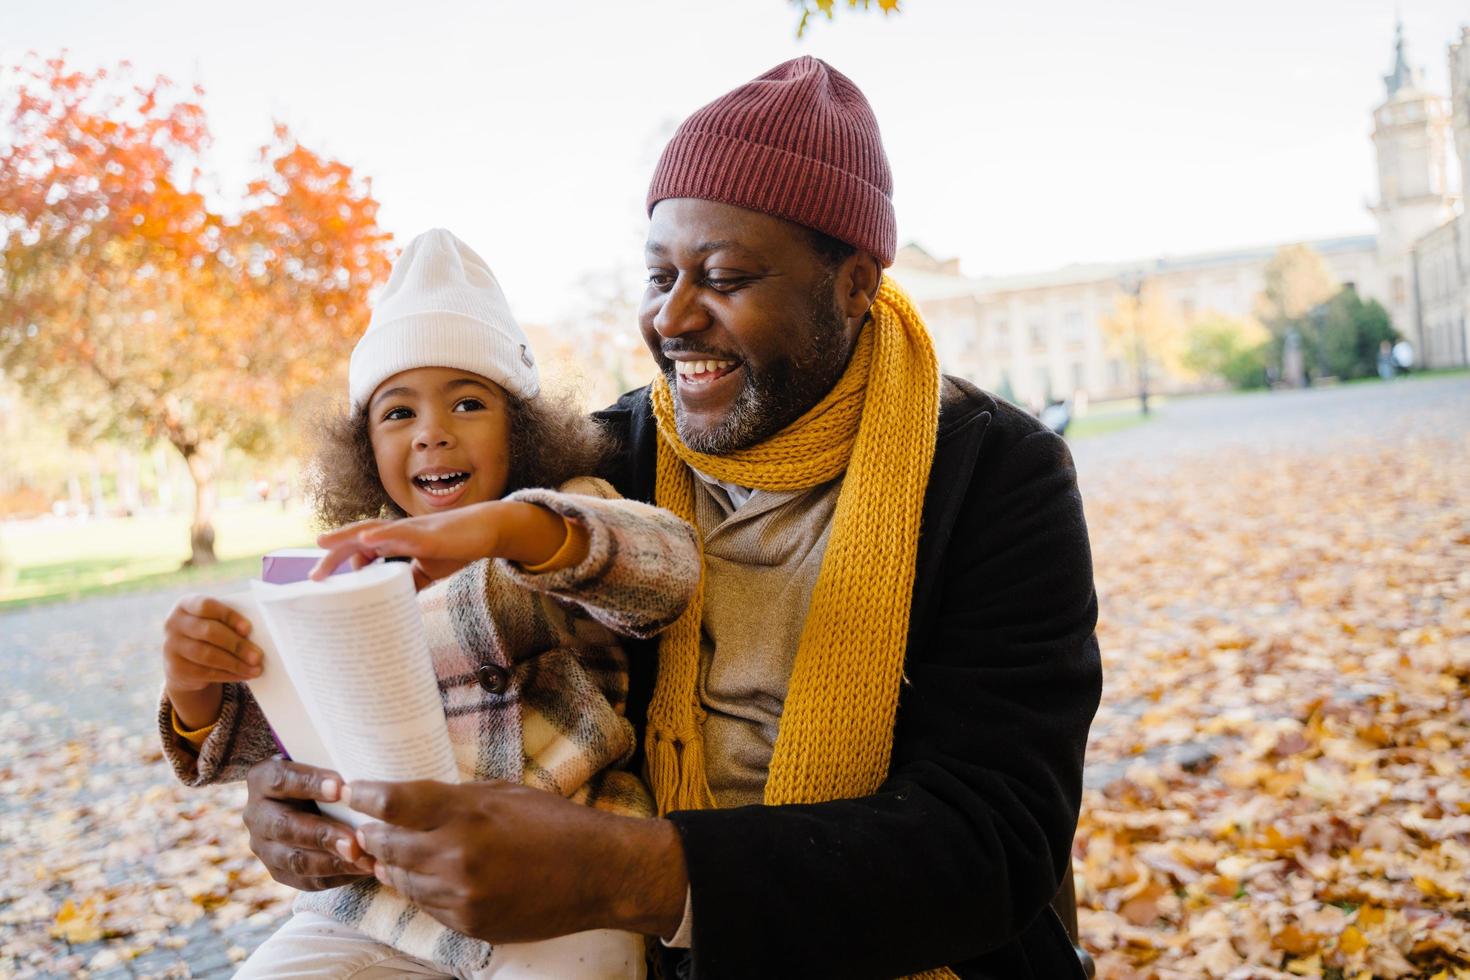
[690, 369]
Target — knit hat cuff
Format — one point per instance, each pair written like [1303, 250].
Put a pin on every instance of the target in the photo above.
[731, 170]
[439, 338]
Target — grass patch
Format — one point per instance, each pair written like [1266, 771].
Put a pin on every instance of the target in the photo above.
[50, 560]
[1099, 425]
[1421, 375]
[132, 580]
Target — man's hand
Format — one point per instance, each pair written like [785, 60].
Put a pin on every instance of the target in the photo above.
[507, 863]
[298, 845]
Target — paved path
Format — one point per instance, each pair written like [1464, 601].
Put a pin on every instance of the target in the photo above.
[78, 670]
[1306, 421]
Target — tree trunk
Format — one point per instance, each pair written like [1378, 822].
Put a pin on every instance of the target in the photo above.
[203, 461]
[129, 487]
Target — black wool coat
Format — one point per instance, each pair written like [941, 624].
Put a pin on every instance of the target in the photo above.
[955, 858]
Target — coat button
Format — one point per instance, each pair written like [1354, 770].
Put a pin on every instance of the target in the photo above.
[493, 678]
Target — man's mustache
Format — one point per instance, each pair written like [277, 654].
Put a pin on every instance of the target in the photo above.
[670, 347]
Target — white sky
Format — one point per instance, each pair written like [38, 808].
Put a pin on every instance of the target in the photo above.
[1022, 136]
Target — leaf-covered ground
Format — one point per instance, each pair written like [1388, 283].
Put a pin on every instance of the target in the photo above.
[1277, 778]
[1278, 774]
[109, 867]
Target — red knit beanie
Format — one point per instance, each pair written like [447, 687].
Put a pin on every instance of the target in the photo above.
[801, 143]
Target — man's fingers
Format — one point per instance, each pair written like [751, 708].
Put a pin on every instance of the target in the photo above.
[304, 863]
[423, 889]
[282, 780]
[398, 846]
[273, 823]
[420, 804]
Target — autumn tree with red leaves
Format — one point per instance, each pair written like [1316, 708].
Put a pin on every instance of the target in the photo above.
[136, 309]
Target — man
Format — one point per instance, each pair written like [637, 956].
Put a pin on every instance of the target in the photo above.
[867, 737]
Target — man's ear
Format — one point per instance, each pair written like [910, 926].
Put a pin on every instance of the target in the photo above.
[858, 279]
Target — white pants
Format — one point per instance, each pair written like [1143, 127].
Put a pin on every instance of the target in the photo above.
[312, 945]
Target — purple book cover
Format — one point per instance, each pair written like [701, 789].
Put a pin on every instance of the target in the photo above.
[286, 565]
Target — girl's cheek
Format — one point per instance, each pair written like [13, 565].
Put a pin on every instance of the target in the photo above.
[397, 489]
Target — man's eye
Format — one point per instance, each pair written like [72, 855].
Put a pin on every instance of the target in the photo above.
[725, 284]
[660, 280]
[468, 405]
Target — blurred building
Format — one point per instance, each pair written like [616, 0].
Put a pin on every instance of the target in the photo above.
[1039, 336]
[1440, 256]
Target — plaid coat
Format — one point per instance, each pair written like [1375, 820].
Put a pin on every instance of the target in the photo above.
[552, 712]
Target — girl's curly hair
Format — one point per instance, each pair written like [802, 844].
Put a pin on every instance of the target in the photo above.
[551, 441]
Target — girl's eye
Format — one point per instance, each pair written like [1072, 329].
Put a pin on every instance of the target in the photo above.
[394, 414]
[468, 405]
[660, 280]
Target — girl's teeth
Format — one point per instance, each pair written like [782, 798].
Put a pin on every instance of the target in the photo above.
[441, 484]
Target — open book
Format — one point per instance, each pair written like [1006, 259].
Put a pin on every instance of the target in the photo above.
[347, 682]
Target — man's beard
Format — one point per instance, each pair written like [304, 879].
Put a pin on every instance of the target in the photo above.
[779, 393]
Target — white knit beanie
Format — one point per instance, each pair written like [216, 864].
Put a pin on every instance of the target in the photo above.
[442, 308]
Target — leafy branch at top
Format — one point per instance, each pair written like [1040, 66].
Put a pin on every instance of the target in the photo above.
[827, 7]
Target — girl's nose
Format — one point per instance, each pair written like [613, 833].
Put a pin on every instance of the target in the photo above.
[433, 434]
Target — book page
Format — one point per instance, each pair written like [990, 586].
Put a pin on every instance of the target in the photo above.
[288, 716]
[356, 651]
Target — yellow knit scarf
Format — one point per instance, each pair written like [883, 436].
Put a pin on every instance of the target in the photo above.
[877, 425]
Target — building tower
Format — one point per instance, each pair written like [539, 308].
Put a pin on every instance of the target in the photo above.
[1460, 99]
[1414, 198]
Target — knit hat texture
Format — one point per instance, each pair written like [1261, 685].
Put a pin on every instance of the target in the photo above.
[799, 142]
[442, 308]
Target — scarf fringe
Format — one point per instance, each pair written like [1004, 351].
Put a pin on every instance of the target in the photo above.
[676, 767]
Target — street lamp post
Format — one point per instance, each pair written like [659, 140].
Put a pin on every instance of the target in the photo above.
[1131, 282]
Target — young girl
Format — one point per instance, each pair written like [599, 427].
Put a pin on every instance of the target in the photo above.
[446, 420]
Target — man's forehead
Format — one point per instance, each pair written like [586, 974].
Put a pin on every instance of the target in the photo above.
[699, 248]
[698, 227]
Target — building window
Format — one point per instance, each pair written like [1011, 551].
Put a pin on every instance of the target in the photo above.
[1000, 335]
[1398, 289]
[1072, 328]
[1036, 331]
[1079, 376]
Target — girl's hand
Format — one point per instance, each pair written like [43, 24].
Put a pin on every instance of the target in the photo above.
[204, 646]
[441, 544]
